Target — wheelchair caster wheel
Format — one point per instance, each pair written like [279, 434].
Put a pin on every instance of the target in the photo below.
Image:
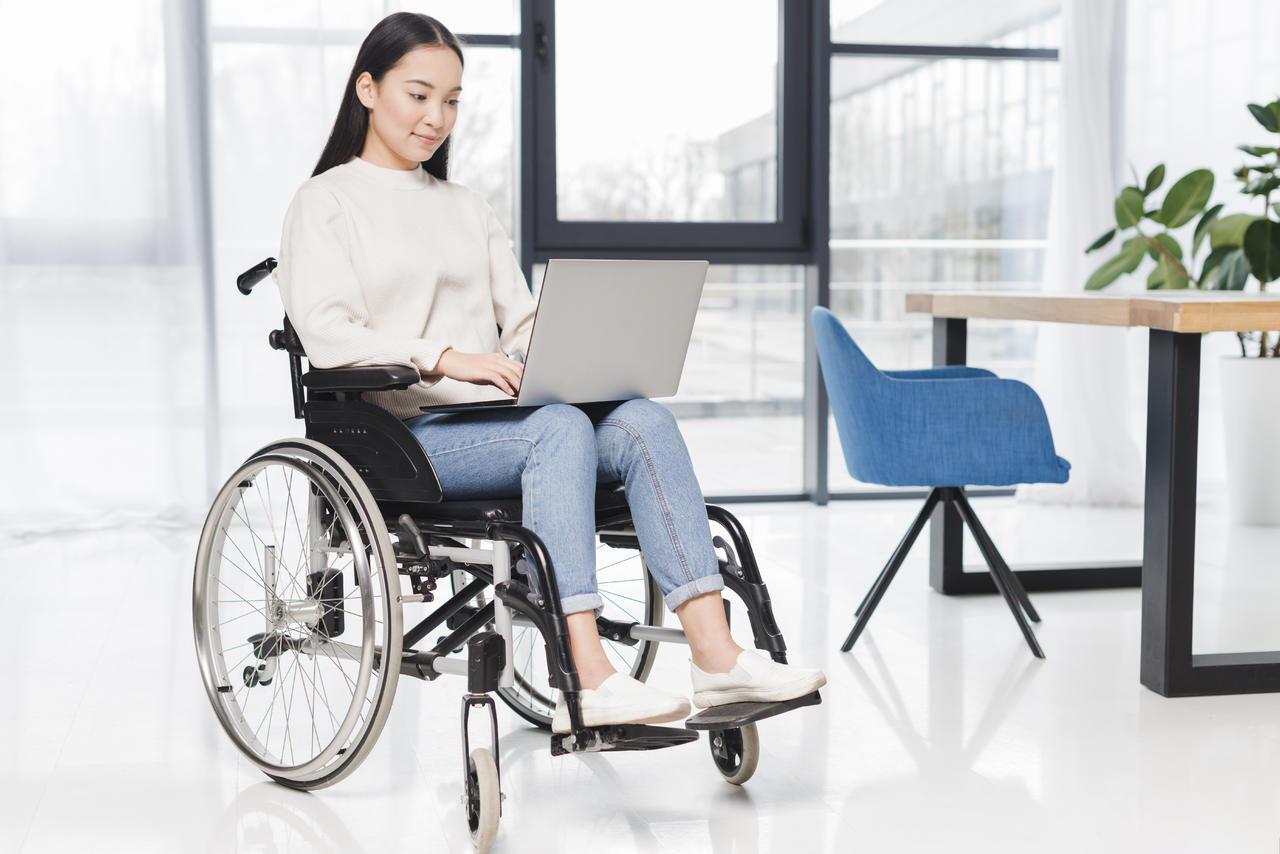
[484, 800]
[251, 677]
[736, 753]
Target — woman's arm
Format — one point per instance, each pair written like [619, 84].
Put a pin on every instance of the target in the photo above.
[322, 296]
[513, 305]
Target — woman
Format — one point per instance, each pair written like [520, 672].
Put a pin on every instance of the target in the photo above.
[383, 260]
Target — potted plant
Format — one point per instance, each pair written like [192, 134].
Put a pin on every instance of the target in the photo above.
[1236, 249]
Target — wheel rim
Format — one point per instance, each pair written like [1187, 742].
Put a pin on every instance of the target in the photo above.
[629, 595]
[273, 524]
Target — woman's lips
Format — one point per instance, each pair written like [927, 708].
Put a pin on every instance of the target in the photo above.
[425, 140]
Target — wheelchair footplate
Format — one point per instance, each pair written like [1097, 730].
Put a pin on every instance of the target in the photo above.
[736, 715]
[621, 737]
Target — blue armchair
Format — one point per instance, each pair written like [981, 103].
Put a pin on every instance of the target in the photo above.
[944, 428]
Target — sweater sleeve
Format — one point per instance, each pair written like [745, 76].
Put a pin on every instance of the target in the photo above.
[513, 305]
[322, 296]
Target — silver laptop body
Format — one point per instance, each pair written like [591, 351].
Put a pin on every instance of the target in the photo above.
[606, 330]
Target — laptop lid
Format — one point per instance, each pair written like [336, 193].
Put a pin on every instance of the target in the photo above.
[610, 330]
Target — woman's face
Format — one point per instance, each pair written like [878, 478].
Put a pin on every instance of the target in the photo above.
[413, 108]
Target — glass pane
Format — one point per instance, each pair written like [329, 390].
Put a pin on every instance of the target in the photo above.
[740, 394]
[500, 17]
[940, 179]
[995, 23]
[692, 138]
[327, 14]
[490, 17]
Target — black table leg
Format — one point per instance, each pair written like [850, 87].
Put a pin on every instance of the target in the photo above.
[946, 555]
[1169, 538]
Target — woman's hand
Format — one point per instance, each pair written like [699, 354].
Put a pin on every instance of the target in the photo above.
[492, 369]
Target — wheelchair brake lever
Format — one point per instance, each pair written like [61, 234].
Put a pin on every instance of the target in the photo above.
[409, 533]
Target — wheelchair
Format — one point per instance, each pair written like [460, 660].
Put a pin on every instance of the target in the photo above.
[314, 547]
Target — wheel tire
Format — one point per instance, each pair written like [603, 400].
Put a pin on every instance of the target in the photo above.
[736, 753]
[484, 799]
[309, 475]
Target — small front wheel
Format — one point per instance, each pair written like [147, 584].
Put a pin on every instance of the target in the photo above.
[484, 800]
[736, 753]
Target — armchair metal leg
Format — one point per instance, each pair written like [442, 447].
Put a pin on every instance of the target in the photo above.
[872, 599]
[994, 564]
[1011, 579]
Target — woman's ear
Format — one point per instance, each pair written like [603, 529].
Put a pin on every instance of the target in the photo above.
[365, 89]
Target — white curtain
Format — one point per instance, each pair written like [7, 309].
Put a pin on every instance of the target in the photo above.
[1084, 373]
[103, 325]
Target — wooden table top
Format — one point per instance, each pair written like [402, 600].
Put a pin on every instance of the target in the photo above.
[1184, 311]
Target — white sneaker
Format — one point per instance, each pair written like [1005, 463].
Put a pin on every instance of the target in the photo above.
[754, 679]
[621, 700]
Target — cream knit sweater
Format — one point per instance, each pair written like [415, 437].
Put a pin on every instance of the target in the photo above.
[385, 266]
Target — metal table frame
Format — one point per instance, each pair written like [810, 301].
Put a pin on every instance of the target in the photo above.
[1167, 572]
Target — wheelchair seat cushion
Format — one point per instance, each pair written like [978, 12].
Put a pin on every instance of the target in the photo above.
[610, 498]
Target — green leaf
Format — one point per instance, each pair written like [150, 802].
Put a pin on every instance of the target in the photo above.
[1236, 272]
[1101, 241]
[1154, 179]
[1127, 261]
[1256, 150]
[1275, 206]
[1128, 207]
[1261, 185]
[1170, 245]
[1155, 279]
[1172, 278]
[1202, 228]
[1211, 272]
[1186, 198]
[1226, 269]
[1229, 230]
[1265, 117]
[1262, 248]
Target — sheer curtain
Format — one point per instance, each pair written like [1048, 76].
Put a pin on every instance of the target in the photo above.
[103, 325]
[1083, 373]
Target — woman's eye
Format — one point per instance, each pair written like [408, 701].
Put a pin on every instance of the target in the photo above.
[454, 102]
[417, 97]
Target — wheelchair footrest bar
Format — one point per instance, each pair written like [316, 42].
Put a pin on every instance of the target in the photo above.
[735, 715]
[621, 737]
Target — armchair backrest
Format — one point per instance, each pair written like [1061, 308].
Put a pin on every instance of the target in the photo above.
[856, 388]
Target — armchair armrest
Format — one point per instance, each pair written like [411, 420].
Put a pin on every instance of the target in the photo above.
[361, 378]
[949, 372]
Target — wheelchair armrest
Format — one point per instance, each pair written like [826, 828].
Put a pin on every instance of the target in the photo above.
[364, 378]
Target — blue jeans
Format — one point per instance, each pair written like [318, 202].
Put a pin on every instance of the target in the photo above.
[552, 457]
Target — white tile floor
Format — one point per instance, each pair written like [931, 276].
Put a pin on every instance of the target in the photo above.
[939, 733]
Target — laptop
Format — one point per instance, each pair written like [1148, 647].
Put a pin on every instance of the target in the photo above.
[605, 330]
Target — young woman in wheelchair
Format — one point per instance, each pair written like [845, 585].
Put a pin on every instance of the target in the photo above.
[385, 261]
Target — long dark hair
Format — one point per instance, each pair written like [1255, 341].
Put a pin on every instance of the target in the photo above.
[392, 37]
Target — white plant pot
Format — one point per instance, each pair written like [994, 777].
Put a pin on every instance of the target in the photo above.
[1251, 417]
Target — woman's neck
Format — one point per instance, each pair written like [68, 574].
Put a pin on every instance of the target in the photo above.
[377, 153]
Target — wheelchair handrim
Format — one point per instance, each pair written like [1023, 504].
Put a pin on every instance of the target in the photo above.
[313, 467]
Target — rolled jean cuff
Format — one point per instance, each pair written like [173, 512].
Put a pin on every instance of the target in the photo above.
[685, 592]
[582, 602]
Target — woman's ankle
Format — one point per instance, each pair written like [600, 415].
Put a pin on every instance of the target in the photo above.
[720, 658]
[593, 675]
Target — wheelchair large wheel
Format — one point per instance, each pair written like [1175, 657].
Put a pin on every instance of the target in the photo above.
[295, 609]
[630, 595]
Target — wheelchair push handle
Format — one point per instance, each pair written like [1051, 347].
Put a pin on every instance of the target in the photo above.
[250, 277]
